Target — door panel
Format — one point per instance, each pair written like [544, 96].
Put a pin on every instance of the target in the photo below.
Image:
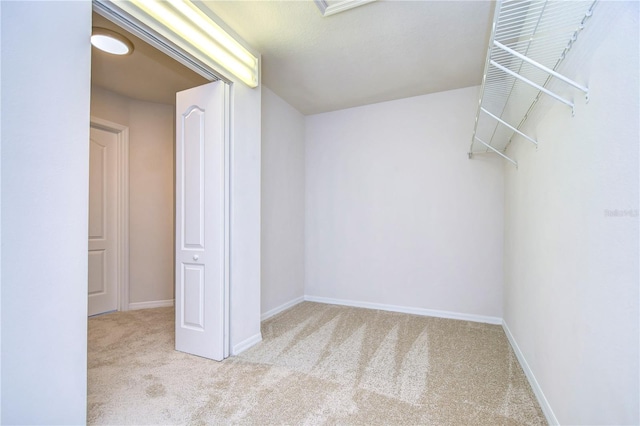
[97, 183]
[103, 168]
[193, 171]
[193, 297]
[200, 220]
[97, 278]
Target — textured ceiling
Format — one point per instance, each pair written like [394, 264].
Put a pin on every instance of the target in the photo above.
[380, 51]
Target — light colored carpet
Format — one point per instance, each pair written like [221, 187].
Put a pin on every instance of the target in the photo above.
[317, 364]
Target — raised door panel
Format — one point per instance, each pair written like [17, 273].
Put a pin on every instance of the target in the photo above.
[193, 297]
[97, 189]
[192, 167]
[97, 272]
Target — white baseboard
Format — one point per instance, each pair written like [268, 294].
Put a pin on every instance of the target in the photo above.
[281, 308]
[407, 310]
[152, 304]
[542, 400]
[246, 344]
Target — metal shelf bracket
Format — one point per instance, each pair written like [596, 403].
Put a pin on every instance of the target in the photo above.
[529, 40]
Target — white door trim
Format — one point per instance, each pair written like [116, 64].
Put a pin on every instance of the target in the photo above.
[122, 199]
[227, 221]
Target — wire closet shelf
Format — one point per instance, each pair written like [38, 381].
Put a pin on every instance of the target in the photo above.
[529, 40]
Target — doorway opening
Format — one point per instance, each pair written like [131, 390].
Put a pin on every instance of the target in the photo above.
[178, 180]
[139, 92]
[135, 94]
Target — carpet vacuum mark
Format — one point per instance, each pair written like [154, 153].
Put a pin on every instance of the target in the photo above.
[317, 364]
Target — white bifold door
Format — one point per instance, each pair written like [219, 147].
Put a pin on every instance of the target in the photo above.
[201, 221]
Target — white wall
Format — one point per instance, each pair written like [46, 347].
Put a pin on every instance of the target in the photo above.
[151, 202]
[397, 214]
[571, 269]
[45, 178]
[151, 191]
[283, 200]
[110, 105]
[45, 129]
[245, 216]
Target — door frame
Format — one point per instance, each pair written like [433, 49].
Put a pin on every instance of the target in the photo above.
[122, 207]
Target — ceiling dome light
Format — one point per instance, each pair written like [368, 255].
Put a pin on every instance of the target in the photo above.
[111, 42]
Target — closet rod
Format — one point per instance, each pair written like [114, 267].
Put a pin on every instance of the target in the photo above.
[531, 83]
[542, 67]
[535, 142]
[494, 150]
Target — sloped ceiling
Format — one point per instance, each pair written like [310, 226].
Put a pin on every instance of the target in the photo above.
[381, 51]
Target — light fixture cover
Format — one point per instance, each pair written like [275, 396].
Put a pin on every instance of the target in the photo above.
[184, 24]
[327, 9]
[111, 42]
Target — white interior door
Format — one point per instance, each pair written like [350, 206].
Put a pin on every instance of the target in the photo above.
[200, 221]
[103, 168]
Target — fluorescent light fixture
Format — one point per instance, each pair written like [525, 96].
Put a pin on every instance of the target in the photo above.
[186, 25]
[110, 41]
